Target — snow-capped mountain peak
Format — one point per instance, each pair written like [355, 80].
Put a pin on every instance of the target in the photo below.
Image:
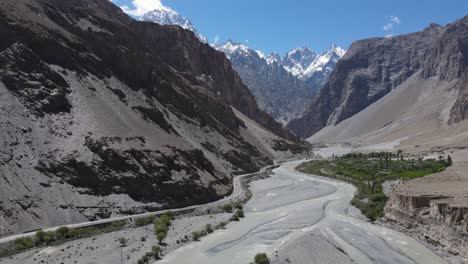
[303, 63]
[324, 63]
[230, 48]
[167, 16]
[297, 60]
[338, 50]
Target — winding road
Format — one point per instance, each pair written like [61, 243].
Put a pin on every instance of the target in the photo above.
[237, 192]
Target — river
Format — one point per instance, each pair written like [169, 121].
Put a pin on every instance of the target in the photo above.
[303, 219]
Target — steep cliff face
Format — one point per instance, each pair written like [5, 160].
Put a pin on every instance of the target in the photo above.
[369, 70]
[441, 222]
[101, 115]
[449, 61]
[210, 67]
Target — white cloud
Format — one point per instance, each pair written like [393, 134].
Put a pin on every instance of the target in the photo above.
[388, 27]
[392, 22]
[395, 19]
[216, 39]
[142, 7]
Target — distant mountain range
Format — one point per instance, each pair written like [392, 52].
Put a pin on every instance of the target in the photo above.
[283, 86]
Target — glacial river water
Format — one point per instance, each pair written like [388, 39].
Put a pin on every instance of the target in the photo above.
[288, 205]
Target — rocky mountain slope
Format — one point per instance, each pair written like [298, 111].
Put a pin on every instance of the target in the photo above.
[102, 115]
[370, 69]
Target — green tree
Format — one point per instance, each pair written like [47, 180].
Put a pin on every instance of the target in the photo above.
[23, 243]
[62, 232]
[39, 238]
[161, 235]
[261, 258]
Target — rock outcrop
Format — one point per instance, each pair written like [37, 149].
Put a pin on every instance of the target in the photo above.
[434, 209]
[102, 115]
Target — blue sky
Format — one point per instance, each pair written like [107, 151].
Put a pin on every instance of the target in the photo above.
[279, 26]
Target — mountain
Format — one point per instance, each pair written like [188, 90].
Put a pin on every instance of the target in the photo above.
[102, 115]
[277, 92]
[167, 16]
[310, 67]
[370, 69]
[282, 86]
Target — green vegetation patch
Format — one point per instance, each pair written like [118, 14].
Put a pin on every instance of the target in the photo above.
[261, 258]
[58, 237]
[161, 227]
[367, 171]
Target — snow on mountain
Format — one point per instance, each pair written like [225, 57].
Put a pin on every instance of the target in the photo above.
[231, 49]
[304, 63]
[274, 58]
[167, 16]
[283, 86]
[324, 62]
[297, 60]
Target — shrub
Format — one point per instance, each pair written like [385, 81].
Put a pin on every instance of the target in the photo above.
[240, 213]
[449, 161]
[49, 237]
[62, 232]
[227, 208]
[145, 259]
[196, 235]
[123, 241]
[74, 233]
[238, 205]
[23, 243]
[261, 259]
[39, 238]
[234, 217]
[155, 251]
[115, 226]
[144, 220]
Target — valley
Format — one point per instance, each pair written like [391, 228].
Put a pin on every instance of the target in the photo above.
[291, 216]
[129, 134]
